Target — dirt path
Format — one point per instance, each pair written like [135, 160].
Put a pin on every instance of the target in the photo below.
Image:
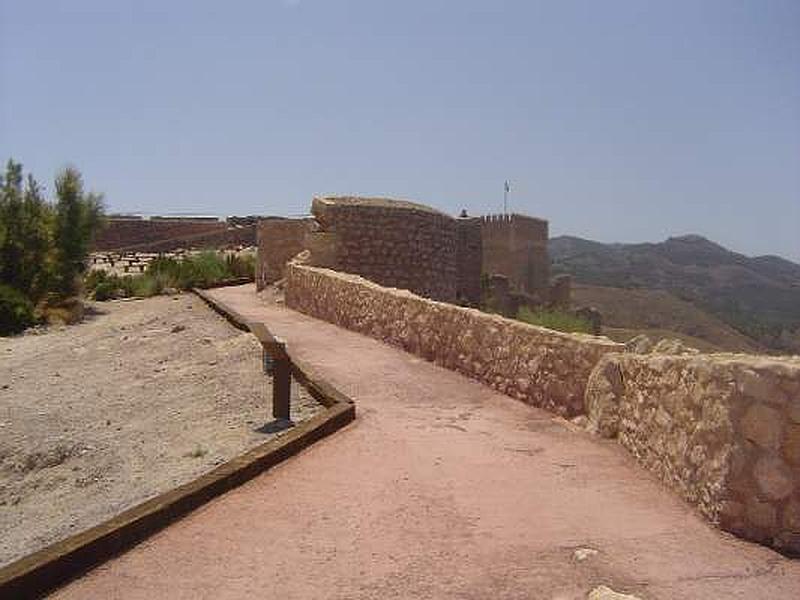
[142, 397]
[441, 488]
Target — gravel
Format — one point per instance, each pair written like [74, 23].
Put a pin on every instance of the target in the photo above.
[141, 397]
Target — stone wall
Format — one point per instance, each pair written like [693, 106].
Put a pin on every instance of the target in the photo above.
[394, 243]
[516, 246]
[278, 241]
[544, 368]
[224, 239]
[469, 254]
[130, 233]
[721, 430]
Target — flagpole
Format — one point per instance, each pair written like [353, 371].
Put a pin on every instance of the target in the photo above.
[505, 198]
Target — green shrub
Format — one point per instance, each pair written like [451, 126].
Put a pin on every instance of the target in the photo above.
[126, 286]
[95, 278]
[145, 286]
[104, 290]
[16, 311]
[168, 270]
[205, 269]
[101, 286]
[200, 270]
[241, 265]
[558, 320]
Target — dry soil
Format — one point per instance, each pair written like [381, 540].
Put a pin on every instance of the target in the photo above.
[141, 397]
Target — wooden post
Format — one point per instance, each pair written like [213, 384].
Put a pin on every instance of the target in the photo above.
[276, 362]
[281, 380]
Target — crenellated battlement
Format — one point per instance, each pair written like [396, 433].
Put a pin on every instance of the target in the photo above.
[501, 219]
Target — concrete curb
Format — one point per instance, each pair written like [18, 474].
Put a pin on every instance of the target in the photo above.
[38, 573]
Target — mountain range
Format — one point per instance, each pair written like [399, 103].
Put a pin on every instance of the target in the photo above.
[757, 296]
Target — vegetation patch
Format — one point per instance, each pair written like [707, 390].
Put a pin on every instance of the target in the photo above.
[16, 310]
[43, 246]
[163, 275]
[558, 320]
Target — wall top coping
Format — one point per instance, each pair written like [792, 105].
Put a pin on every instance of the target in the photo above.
[582, 338]
[277, 219]
[164, 219]
[377, 202]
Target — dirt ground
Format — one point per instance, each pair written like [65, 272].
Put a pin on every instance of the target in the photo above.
[141, 397]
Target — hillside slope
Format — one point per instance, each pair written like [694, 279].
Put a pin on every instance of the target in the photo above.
[759, 297]
[659, 314]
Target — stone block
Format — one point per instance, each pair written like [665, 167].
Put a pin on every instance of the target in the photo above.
[761, 515]
[793, 411]
[791, 516]
[731, 514]
[791, 444]
[760, 388]
[763, 426]
[773, 477]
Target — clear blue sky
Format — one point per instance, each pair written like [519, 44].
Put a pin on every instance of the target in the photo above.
[615, 120]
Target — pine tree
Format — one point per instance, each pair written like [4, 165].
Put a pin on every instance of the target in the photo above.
[77, 218]
[12, 243]
[36, 229]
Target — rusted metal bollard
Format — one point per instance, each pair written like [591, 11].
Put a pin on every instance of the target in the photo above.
[278, 364]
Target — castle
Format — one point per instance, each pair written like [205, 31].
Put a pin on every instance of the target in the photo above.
[406, 245]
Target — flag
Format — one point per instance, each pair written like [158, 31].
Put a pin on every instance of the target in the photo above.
[507, 187]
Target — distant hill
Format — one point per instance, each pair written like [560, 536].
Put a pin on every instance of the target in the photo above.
[659, 314]
[759, 297]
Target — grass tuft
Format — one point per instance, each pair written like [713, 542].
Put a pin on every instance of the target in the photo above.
[558, 320]
[198, 452]
[200, 270]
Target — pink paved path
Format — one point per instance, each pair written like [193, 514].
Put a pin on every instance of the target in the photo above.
[442, 488]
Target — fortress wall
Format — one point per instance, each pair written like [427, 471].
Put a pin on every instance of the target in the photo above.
[278, 240]
[469, 254]
[233, 237]
[130, 232]
[544, 368]
[394, 243]
[721, 430]
[516, 246]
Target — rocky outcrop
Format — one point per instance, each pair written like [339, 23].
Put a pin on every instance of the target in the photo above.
[721, 430]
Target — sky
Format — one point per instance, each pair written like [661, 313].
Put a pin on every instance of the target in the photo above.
[624, 121]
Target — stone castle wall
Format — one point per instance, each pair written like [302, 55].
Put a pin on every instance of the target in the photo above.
[278, 240]
[516, 246]
[721, 430]
[469, 256]
[410, 246]
[394, 243]
[139, 233]
[544, 368]
[230, 238]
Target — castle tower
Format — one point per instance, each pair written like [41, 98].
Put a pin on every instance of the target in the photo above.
[516, 246]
